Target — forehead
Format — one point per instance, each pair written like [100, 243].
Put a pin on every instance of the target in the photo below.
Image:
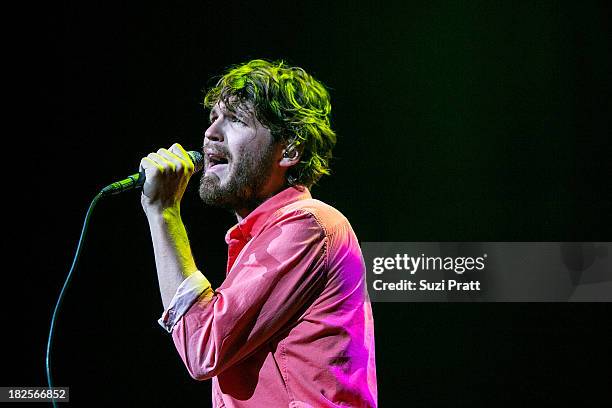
[234, 106]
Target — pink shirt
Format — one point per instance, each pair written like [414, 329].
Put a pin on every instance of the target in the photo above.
[291, 325]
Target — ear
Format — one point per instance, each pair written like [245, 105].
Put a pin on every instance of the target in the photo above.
[290, 157]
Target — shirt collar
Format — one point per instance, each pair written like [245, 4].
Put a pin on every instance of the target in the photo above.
[252, 223]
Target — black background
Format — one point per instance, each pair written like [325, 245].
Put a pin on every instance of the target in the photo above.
[457, 121]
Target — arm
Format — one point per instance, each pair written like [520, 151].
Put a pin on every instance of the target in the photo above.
[173, 259]
[168, 172]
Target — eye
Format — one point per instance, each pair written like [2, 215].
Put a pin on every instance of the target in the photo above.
[234, 119]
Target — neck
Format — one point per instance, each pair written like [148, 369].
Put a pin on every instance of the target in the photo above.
[242, 213]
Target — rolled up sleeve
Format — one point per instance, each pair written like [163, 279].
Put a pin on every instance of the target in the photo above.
[187, 293]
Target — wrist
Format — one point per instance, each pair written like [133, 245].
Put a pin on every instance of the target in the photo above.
[158, 208]
[164, 215]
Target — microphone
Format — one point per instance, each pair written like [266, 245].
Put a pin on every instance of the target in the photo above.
[137, 180]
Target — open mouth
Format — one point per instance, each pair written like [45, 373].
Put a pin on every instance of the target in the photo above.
[215, 160]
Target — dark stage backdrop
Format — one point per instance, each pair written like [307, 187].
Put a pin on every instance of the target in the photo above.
[457, 121]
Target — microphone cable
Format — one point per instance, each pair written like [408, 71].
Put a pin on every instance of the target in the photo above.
[63, 292]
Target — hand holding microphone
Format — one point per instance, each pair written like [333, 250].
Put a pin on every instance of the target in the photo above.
[163, 176]
[167, 173]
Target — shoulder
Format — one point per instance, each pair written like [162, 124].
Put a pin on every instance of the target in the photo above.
[328, 218]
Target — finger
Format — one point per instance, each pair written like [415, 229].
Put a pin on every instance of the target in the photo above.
[178, 150]
[148, 164]
[161, 160]
[179, 164]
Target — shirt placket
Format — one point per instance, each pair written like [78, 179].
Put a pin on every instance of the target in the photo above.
[235, 245]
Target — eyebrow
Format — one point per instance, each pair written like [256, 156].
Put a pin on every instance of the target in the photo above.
[213, 111]
[240, 113]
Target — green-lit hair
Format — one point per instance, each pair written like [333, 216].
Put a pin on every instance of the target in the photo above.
[289, 102]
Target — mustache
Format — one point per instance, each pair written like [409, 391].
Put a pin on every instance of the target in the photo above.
[216, 149]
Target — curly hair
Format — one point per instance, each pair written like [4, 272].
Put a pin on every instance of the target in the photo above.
[293, 105]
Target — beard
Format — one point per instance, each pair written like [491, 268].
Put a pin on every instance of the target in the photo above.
[245, 181]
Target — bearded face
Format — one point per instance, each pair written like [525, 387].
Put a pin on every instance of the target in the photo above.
[235, 181]
[239, 157]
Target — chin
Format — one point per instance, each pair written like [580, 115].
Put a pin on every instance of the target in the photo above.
[210, 189]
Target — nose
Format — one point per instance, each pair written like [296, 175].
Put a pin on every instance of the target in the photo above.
[213, 133]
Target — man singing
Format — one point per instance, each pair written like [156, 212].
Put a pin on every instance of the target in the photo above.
[291, 325]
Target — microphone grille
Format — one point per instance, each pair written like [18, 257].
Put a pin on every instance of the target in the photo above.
[197, 159]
